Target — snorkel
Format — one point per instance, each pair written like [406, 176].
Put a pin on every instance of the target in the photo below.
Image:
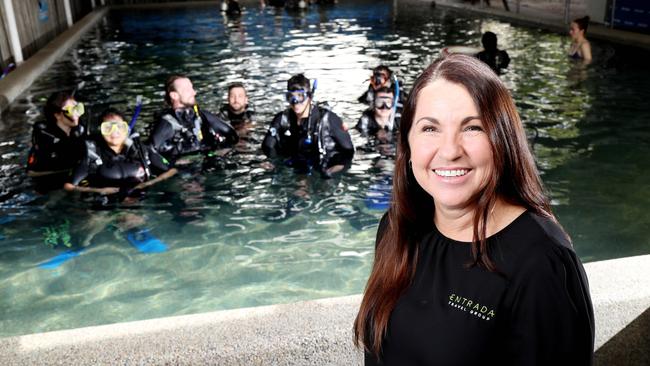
[313, 92]
[136, 113]
[7, 69]
[395, 101]
[136, 137]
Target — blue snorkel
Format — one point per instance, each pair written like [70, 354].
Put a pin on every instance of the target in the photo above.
[7, 69]
[392, 116]
[138, 108]
[313, 92]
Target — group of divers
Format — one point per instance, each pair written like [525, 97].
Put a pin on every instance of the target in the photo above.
[307, 136]
[114, 162]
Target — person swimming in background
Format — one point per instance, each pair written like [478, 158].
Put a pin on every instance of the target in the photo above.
[379, 117]
[580, 47]
[382, 77]
[495, 58]
[116, 161]
[57, 143]
[236, 111]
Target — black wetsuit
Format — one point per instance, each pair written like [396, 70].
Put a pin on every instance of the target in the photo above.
[367, 124]
[535, 311]
[182, 132]
[496, 59]
[320, 142]
[235, 119]
[102, 167]
[54, 151]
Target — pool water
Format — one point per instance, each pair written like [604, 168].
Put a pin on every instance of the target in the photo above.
[238, 234]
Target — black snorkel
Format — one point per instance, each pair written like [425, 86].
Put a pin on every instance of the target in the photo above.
[308, 140]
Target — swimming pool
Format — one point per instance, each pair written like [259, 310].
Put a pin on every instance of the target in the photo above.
[239, 235]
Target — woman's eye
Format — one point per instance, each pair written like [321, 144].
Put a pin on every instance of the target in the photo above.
[474, 128]
[429, 129]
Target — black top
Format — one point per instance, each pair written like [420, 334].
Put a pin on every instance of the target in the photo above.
[103, 167]
[537, 312]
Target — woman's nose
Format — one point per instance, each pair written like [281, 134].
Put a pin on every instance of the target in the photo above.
[450, 148]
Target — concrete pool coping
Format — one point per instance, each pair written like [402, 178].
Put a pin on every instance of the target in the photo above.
[313, 332]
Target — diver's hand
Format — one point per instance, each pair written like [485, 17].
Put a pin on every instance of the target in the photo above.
[107, 190]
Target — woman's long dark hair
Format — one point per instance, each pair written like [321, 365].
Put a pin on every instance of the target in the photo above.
[515, 179]
[583, 23]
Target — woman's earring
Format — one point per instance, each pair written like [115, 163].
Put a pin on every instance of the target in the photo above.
[410, 164]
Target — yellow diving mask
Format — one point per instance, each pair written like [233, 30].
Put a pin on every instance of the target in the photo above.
[72, 110]
[108, 127]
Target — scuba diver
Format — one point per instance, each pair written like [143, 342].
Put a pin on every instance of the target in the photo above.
[311, 135]
[381, 116]
[230, 7]
[185, 129]
[382, 77]
[57, 143]
[236, 112]
[116, 161]
[495, 58]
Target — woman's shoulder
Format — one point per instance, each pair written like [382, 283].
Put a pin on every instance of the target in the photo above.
[530, 239]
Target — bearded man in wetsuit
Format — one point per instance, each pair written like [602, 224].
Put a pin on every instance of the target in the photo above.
[184, 128]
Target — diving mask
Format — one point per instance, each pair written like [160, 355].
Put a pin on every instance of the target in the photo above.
[73, 110]
[108, 127]
[383, 103]
[297, 96]
[379, 79]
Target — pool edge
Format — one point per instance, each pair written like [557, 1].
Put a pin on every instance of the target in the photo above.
[309, 332]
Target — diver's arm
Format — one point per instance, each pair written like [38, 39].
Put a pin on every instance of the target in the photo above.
[35, 174]
[104, 191]
[341, 136]
[221, 128]
[270, 144]
[157, 179]
[585, 49]
[161, 133]
[505, 59]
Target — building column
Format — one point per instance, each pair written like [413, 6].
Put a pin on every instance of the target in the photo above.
[93, 4]
[567, 11]
[68, 12]
[14, 41]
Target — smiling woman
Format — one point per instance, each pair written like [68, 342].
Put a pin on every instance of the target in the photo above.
[469, 255]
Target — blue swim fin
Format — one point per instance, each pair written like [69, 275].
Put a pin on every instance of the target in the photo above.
[6, 219]
[378, 197]
[61, 258]
[145, 242]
